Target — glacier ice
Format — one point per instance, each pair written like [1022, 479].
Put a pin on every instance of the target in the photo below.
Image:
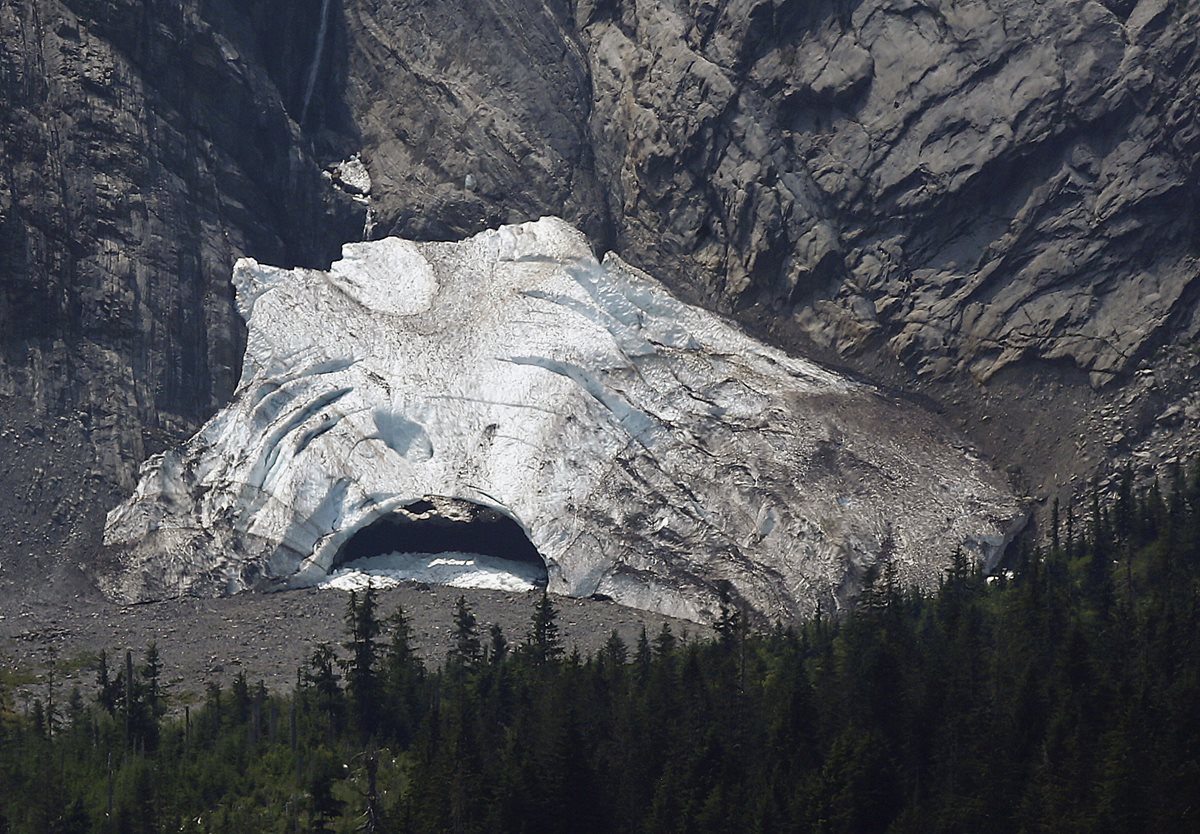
[652, 452]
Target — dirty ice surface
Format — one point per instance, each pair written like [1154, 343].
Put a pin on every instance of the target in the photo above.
[650, 450]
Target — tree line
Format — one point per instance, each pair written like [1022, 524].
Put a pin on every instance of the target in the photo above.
[1062, 695]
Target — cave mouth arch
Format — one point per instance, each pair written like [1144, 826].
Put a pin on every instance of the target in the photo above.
[411, 537]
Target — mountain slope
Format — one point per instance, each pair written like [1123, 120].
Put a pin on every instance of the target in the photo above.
[989, 204]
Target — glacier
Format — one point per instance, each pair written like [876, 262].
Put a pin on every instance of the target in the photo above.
[652, 452]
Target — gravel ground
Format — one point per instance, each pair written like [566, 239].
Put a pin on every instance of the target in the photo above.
[270, 635]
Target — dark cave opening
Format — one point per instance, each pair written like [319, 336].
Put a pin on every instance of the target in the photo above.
[441, 525]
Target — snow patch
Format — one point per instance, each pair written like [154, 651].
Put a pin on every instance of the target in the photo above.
[458, 570]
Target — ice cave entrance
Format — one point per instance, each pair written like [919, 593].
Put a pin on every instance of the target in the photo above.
[442, 541]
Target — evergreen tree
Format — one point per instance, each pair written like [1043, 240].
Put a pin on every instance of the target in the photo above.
[467, 651]
[108, 690]
[1070, 548]
[642, 658]
[1124, 512]
[76, 710]
[130, 703]
[403, 673]
[37, 718]
[362, 675]
[148, 704]
[1009, 706]
[544, 644]
[728, 622]
[615, 650]
[241, 697]
[498, 648]
[400, 651]
[664, 643]
[327, 692]
[1055, 544]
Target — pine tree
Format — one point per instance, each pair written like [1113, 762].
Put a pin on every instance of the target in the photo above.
[212, 709]
[544, 644]
[37, 717]
[498, 648]
[241, 697]
[130, 701]
[362, 676]
[152, 707]
[1070, 546]
[728, 622]
[76, 710]
[327, 692]
[616, 652]
[1055, 544]
[1124, 512]
[400, 651]
[1010, 707]
[402, 673]
[664, 643]
[467, 651]
[956, 589]
[108, 690]
[642, 658]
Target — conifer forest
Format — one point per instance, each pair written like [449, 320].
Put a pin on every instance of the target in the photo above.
[1061, 694]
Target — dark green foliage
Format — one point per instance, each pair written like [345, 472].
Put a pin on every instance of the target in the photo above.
[1060, 699]
[467, 651]
[544, 645]
[363, 683]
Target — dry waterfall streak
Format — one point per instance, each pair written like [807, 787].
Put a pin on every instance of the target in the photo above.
[316, 61]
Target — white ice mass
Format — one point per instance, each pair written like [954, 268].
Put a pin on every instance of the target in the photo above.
[652, 452]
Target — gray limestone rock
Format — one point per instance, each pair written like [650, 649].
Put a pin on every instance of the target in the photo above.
[143, 147]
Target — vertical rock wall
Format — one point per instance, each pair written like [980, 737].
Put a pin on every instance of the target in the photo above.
[143, 147]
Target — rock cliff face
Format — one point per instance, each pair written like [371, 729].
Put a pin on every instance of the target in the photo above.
[650, 451]
[143, 147]
[991, 202]
[965, 184]
[969, 184]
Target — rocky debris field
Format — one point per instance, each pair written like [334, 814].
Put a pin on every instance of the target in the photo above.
[269, 636]
[1155, 423]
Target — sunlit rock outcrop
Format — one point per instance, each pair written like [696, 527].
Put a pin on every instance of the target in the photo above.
[652, 452]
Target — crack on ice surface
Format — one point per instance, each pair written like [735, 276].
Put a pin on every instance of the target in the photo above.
[458, 570]
[649, 450]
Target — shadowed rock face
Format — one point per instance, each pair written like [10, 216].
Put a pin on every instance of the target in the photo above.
[937, 193]
[648, 449]
[143, 147]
